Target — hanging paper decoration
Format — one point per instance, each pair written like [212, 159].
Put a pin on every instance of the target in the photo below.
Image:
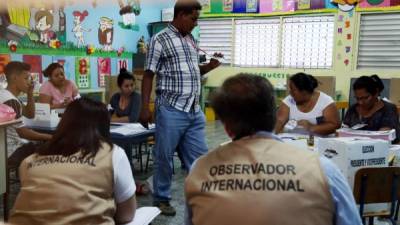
[36, 66]
[82, 72]
[104, 69]
[122, 63]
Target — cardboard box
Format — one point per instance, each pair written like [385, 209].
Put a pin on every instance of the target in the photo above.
[44, 117]
[351, 154]
[326, 84]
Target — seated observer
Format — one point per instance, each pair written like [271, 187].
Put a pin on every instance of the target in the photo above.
[370, 112]
[257, 179]
[311, 111]
[57, 91]
[126, 103]
[79, 176]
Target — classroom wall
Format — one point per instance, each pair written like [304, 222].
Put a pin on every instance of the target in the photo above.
[127, 38]
[344, 59]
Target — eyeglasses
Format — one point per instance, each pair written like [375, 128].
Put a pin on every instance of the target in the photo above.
[362, 98]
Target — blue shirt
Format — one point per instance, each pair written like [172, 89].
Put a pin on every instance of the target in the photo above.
[346, 212]
[174, 59]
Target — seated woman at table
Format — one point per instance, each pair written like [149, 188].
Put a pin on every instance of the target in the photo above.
[79, 176]
[308, 110]
[57, 91]
[370, 112]
[126, 103]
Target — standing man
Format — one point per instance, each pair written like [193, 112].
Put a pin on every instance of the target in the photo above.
[173, 56]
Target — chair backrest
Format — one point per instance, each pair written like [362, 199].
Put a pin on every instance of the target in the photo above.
[326, 84]
[111, 87]
[385, 93]
[394, 94]
[376, 185]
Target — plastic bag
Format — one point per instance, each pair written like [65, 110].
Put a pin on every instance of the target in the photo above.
[6, 113]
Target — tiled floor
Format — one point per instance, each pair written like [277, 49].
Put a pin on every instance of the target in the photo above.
[214, 134]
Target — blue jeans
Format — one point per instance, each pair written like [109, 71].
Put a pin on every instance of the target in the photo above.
[174, 129]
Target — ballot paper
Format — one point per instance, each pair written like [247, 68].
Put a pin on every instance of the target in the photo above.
[129, 128]
[144, 215]
[388, 135]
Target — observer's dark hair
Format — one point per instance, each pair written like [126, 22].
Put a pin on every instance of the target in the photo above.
[372, 84]
[85, 126]
[304, 82]
[124, 75]
[15, 67]
[186, 6]
[50, 68]
[247, 103]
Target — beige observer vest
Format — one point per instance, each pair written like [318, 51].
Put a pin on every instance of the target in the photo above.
[259, 181]
[66, 190]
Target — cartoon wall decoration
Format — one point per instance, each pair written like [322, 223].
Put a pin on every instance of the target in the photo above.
[346, 5]
[78, 29]
[129, 12]
[104, 69]
[106, 33]
[44, 22]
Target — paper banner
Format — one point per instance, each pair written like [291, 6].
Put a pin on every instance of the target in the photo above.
[346, 62]
[340, 43]
[82, 72]
[340, 18]
[103, 69]
[340, 30]
[36, 66]
[348, 36]
[348, 49]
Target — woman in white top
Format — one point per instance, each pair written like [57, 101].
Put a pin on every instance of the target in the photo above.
[313, 111]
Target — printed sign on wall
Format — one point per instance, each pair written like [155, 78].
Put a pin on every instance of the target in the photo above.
[36, 66]
[82, 72]
[122, 63]
[104, 69]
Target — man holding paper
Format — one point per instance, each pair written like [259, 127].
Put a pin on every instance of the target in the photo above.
[174, 56]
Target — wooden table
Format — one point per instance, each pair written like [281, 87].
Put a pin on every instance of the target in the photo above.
[3, 164]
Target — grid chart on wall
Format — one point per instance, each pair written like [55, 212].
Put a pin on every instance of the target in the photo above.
[216, 36]
[379, 41]
[289, 42]
[307, 42]
[256, 42]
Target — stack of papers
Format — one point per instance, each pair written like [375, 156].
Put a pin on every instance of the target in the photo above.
[129, 128]
[388, 135]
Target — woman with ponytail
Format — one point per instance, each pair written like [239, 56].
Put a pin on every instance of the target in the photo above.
[126, 103]
[370, 112]
[308, 110]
